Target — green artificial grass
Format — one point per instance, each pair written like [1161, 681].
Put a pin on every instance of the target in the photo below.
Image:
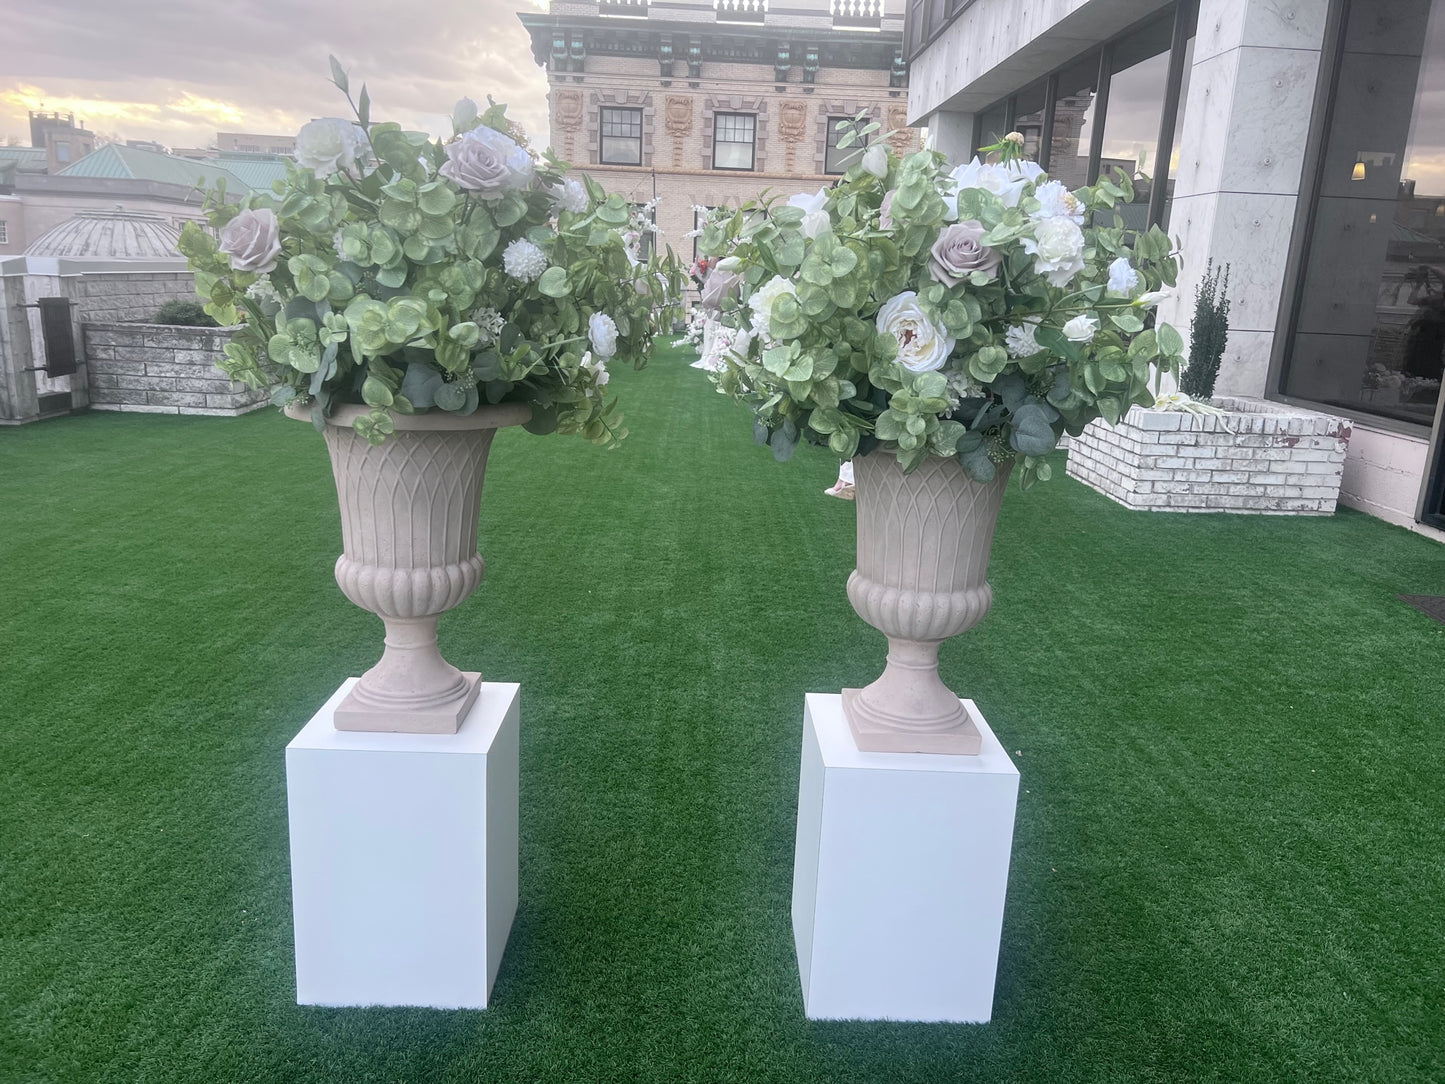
[1227, 859]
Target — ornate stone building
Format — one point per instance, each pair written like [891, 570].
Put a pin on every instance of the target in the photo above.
[709, 102]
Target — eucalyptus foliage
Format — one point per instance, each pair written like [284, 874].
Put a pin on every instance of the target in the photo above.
[390, 289]
[822, 369]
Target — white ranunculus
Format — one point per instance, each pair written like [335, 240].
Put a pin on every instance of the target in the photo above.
[328, 145]
[1058, 249]
[602, 331]
[922, 345]
[762, 302]
[1081, 328]
[1123, 279]
[1006, 184]
[569, 195]
[1019, 341]
[1056, 201]
[523, 260]
[252, 240]
[809, 204]
[875, 161]
[488, 163]
[815, 223]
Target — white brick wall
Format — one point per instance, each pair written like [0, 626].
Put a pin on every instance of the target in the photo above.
[1278, 460]
[162, 369]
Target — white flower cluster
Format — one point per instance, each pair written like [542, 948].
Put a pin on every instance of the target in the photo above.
[762, 301]
[524, 261]
[489, 323]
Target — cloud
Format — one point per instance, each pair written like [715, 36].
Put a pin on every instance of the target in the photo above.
[178, 73]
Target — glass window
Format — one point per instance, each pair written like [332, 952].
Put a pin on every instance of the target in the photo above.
[1178, 134]
[1138, 80]
[1369, 330]
[621, 137]
[991, 126]
[1028, 109]
[732, 140]
[1074, 122]
[836, 160]
[4, 233]
[62, 152]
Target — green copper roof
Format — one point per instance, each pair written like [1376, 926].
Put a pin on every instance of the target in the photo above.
[27, 159]
[259, 171]
[115, 160]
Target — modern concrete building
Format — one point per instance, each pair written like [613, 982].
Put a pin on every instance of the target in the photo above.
[1302, 142]
[709, 102]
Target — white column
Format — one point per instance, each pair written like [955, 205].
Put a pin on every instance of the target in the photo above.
[1241, 152]
[951, 134]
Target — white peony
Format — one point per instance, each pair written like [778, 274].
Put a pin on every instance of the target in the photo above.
[762, 303]
[1081, 328]
[875, 161]
[524, 261]
[809, 204]
[815, 223]
[1123, 279]
[922, 345]
[569, 195]
[1056, 201]
[602, 331]
[1019, 341]
[1005, 183]
[1058, 249]
[328, 145]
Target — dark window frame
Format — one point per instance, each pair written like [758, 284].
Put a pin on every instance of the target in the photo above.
[603, 135]
[752, 144]
[830, 146]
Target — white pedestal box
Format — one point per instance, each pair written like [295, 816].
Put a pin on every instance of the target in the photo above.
[899, 876]
[404, 857]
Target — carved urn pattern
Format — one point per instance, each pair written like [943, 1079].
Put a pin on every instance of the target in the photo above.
[409, 510]
[923, 548]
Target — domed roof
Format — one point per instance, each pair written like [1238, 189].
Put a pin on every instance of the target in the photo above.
[109, 235]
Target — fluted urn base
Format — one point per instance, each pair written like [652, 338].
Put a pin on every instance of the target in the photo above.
[923, 547]
[412, 688]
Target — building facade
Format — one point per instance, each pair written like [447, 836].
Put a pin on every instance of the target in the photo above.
[1301, 142]
[706, 103]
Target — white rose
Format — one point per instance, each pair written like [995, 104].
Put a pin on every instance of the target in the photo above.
[922, 345]
[808, 204]
[252, 240]
[1058, 249]
[815, 223]
[569, 195]
[1056, 201]
[1081, 328]
[488, 163]
[328, 145]
[875, 161]
[464, 114]
[1002, 182]
[1123, 279]
[762, 301]
[602, 331]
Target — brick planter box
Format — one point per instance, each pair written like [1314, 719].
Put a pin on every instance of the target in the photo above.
[1278, 460]
[162, 369]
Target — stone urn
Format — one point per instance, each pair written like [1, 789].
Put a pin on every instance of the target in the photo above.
[409, 510]
[923, 546]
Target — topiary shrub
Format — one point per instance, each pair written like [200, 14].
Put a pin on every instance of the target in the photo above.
[1209, 334]
[183, 313]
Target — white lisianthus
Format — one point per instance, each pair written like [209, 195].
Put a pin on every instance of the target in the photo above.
[597, 367]
[809, 204]
[328, 145]
[602, 331]
[1056, 201]
[524, 261]
[815, 223]
[1123, 279]
[569, 195]
[923, 346]
[1019, 340]
[1081, 328]
[763, 300]
[1058, 249]
[875, 161]
[1152, 298]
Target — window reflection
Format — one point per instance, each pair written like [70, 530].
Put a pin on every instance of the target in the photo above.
[1178, 134]
[1139, 74]
[1073, 122]
[1370, 326]
[1029, 121]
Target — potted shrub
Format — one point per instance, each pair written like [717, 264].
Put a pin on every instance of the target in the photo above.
[410, 296]
[942, 329]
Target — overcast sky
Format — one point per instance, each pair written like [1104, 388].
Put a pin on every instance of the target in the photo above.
[178, 72]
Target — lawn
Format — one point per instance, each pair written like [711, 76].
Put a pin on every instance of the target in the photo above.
[1227, 862]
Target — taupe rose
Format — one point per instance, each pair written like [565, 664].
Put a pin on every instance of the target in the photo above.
[717, 286]
[488, 163]
[959, 252]
[252, 240]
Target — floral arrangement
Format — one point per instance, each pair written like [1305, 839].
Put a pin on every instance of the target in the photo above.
[409, 274]
[974, 313]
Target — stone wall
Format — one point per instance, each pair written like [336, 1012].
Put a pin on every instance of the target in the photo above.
[108, 298]
[1277, 459]
[160, 369]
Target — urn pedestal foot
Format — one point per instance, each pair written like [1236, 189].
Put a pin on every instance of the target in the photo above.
[909, 709]
[412, 689]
